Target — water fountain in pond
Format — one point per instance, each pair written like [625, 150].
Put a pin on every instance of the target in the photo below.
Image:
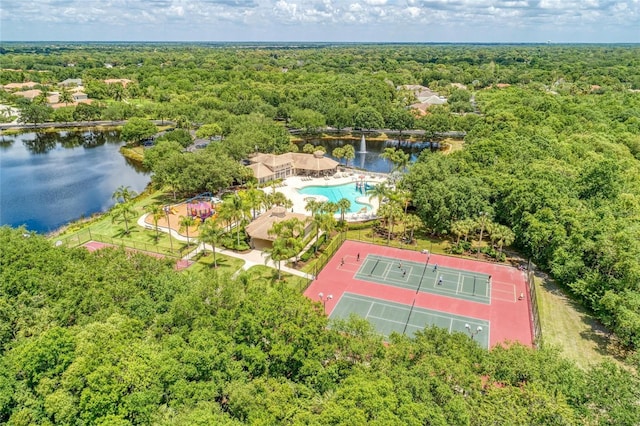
[363, 145]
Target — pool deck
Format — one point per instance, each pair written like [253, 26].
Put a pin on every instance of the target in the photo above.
[291, 184]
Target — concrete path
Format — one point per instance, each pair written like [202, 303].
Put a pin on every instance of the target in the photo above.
[250, 258]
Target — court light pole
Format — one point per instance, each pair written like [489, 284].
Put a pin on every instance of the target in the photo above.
[166, 212]
[325, 299]
[474, 332]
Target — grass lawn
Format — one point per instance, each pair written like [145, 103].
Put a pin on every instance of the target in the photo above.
[421, 241]
[104, 229]
[265, 274]
[569, 326]
[226, 264]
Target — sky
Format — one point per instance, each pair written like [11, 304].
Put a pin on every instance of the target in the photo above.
[420, 21]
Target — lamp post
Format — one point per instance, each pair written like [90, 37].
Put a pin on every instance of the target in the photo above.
[472, 333]
[325, 299]
[166, 212]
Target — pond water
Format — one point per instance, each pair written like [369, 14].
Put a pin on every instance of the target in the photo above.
[50, 179]
[336, 192]
[370, 160]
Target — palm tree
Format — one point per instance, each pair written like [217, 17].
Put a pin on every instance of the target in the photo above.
[290, 233]
[313, 206]
[238, 210]
[276, 254]
[123, 210]
[156, 213]
[65, 96]
[503, 235]
[123, 194]
[254, 198]
[325, 222]
[457, 229]
[391, 212]
[185, 223]
[388, 155]
[412, 222]
[348, 154]
[343, 205]
[379, 191]
[483, 222]
[211, 233]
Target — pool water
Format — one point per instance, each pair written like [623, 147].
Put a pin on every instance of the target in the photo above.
[336, 192]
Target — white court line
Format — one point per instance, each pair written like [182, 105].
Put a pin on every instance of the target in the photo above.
[405, 308]
[458, 289]
[450, 325]
[370, 308]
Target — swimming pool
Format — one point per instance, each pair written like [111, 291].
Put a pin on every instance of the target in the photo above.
[336, 192]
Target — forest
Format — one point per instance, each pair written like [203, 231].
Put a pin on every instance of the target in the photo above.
[551, 152]
[115, 338]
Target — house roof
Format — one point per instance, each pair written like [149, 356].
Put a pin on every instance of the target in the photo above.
[260, 171]
[70, 81]
[299, 161]
[260, 227]
[12, 86]
[316, 161]
[29, 94]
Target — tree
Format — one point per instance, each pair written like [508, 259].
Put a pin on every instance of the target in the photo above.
[343, 205]
[412, 222]
[254, 198]
[483, 222]
[208, 131]
[123, 210]
[338, 153]
[379, 191]
[65, 96]
[276, 254]
[211, 233]
[400, 119]
[34, 113]
[349, 153]
[185, 223]
[156, 212]
[503, 235]
[368, 118]
[291, 233]
[391, 212]
[309, 120]
[137, 129]
[123, 194]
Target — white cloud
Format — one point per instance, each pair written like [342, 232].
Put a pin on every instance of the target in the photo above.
[339, 20]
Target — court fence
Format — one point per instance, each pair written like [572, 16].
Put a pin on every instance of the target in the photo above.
[535, 314]
[84, 236]
[328, 252]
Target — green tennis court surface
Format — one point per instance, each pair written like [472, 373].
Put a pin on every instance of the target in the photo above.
[466, 285]
[387, 317]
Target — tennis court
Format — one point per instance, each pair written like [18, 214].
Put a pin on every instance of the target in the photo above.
[387, 317]
[426, 277]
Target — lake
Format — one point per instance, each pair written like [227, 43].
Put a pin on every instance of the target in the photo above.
[50, 179]
[370, 159]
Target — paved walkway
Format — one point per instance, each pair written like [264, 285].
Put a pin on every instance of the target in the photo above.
[251, 258]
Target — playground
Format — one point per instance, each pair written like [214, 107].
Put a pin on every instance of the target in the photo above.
[404, 291]
[200, 208]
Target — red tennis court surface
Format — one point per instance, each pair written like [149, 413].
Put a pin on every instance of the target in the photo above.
[508, 313]
[95, 245]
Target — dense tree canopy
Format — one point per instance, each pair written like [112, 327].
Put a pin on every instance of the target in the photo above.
[114, 337]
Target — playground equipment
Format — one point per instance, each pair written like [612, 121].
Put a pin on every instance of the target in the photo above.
[362, 186]
[202, 206]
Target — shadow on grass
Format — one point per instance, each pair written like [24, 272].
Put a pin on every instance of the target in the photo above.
[603, 340]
